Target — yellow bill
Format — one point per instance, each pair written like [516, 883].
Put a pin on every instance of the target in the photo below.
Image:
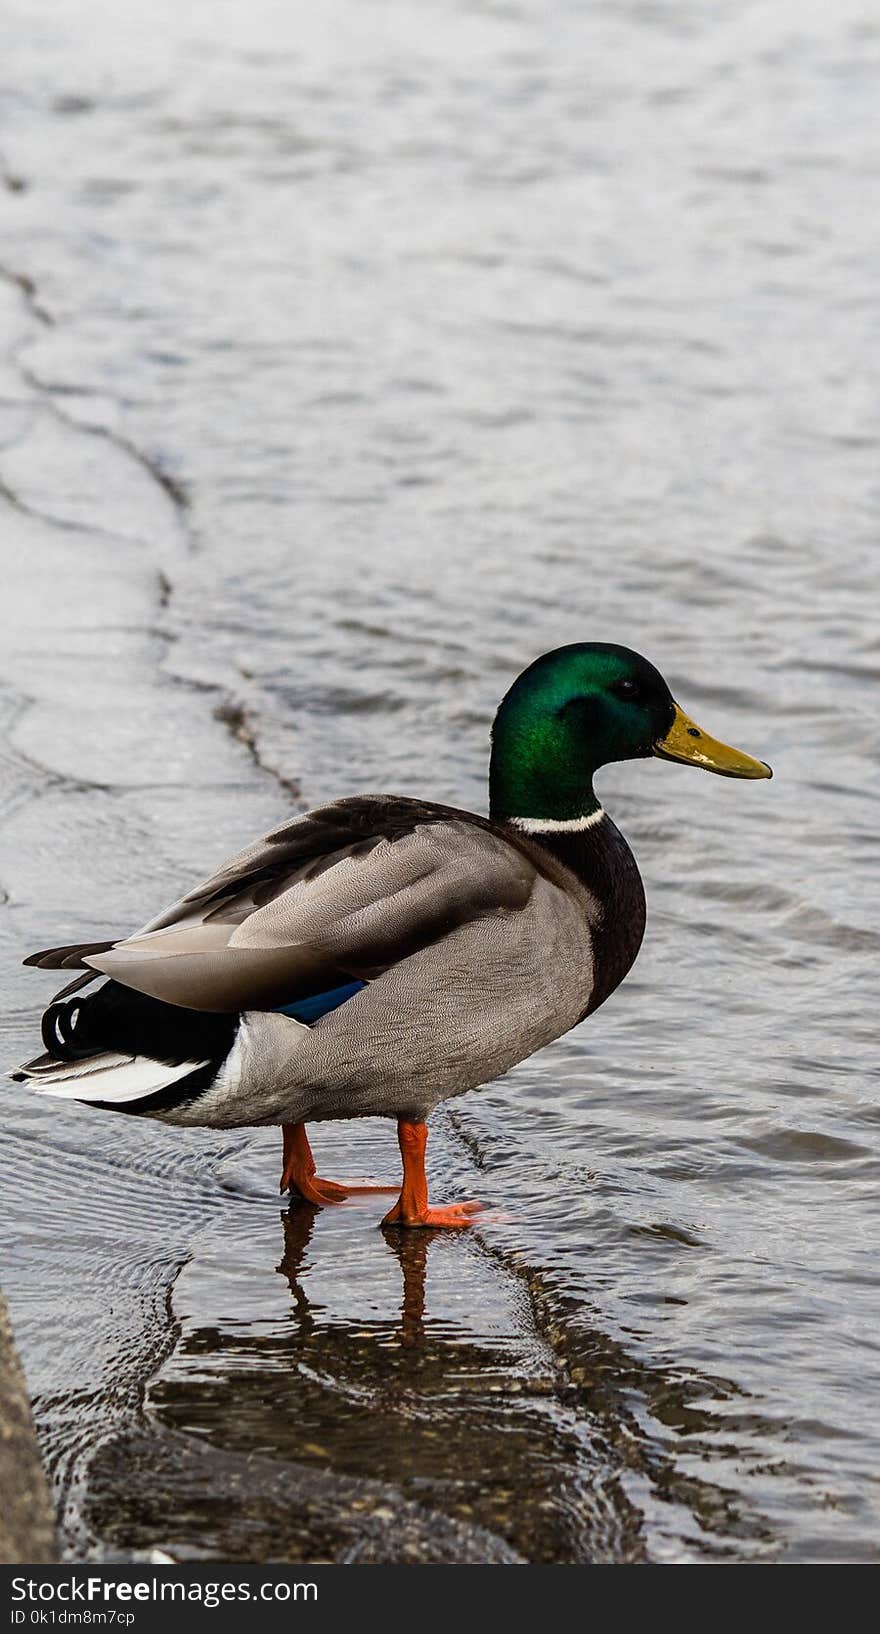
[688, 742]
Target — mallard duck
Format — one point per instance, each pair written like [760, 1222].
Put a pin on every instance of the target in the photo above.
[379, 955]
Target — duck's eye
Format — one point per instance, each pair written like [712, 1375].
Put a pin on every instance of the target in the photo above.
[626, 688]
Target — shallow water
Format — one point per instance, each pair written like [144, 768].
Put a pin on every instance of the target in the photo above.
[369, 354]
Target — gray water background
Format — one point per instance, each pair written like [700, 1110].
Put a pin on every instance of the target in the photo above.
[354, 357]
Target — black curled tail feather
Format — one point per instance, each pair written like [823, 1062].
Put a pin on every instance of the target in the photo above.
[119, 1019]
[58, 1028]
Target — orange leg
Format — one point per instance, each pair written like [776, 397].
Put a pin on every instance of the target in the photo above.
[411, 1208]
[299, 1173]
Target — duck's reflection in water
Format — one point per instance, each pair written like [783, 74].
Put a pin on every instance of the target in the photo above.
[555, 1438]
[422, 1374]
[409, 1247]
[446, 1401]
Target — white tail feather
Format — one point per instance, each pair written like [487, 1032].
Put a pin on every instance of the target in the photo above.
[110, 1078]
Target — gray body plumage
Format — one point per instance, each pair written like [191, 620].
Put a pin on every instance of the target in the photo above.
[449, 1017]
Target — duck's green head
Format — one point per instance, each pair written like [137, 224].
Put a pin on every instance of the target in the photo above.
[575, 710]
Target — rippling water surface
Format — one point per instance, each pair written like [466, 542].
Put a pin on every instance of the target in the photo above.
[352, 358]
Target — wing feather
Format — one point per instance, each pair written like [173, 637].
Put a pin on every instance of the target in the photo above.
[339, 895]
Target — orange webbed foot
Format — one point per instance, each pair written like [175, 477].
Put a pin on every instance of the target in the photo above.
[323, 1192]
[449, 1215]
[412, 1207]
[298, 1174]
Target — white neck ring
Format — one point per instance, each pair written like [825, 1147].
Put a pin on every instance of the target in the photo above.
[556, 825]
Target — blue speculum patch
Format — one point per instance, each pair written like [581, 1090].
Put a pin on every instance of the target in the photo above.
[320, 1004]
